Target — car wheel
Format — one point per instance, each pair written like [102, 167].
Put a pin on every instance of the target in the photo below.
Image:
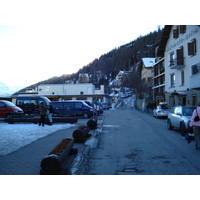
[169, 125]
[10, 117]
[85, 115]
[183, 129]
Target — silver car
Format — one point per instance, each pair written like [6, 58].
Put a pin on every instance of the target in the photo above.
[162, 110]
[180, 117]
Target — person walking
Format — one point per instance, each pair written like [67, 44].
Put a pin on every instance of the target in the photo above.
[50, 113]
[196, 126]
[43, 111]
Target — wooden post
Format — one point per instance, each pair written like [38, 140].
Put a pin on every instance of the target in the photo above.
[92, 123]
[81, 133]
[51, 164]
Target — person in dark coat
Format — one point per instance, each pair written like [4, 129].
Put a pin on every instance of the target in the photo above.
[43, 111]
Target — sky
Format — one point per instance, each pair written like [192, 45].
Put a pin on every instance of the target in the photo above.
[42, 39]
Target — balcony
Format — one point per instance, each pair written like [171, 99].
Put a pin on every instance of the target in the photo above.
[177, 63]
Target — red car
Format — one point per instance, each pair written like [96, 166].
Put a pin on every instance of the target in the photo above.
[8, 109]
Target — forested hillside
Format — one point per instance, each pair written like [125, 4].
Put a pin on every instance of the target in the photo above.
[104, 69]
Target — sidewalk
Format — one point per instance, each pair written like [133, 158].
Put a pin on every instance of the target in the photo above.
[26, 160]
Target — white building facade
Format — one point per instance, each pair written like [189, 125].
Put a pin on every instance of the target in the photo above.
[60, 92]
[66, 89]
[182, 65]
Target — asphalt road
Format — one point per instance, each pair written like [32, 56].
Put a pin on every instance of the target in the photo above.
[131, 142]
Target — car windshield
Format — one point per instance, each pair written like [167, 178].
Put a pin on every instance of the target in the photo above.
[8, 103]
[46, 100]
[85, 104]
[187, 111]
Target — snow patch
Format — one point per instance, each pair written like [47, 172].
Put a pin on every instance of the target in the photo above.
[15, 136]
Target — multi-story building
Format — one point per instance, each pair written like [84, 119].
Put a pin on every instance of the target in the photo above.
[180, 45]
[147, 73]
[159, 81]
[147, 70]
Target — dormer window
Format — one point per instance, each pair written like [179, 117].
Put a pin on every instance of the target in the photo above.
[182, 29]
[179, 30]
[175, 32]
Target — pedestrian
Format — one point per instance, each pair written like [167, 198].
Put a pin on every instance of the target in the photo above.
[43, 111]
[50, 113]
[196, 126]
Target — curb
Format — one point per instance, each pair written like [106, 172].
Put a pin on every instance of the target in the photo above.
[90, 144]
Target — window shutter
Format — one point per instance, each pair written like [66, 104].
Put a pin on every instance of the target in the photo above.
[180, 56]
[190, 49]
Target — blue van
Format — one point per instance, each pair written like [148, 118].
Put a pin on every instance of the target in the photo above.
[72, 108]
[30, 104]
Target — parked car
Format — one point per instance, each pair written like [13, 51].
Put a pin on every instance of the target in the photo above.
[9, 110]
[72, 108]
[30, 104]
[105, 106]
[93, 105]
[162, 110]
[180, 117]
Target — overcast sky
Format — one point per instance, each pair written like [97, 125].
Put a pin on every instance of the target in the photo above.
[51, 38]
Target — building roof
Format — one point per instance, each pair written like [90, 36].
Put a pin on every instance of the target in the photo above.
[148, 62]
[165, 37]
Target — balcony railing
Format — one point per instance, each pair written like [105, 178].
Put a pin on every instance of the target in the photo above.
[177, 63]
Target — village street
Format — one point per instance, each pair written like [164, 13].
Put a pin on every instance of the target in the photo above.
[132, 142]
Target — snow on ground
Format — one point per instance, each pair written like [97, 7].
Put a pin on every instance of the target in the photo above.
[15, 136]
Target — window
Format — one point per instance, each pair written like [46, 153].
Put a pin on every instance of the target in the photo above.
[58, 105]
[172, 80]
[176, 110]
[81, 92]
[180, 58]
[179, 30]
[68, 105]
[171, 59]
[194, 69]
[182, 29]
[149, 79]
[175, 32]
[182, 78]
[2, 104]
[78, 105]
[192, 48]
[194, 100]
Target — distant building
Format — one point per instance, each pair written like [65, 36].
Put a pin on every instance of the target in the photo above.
[159, 77]
[59, 92]
[83, 78]
[120, 78]
[146, 69]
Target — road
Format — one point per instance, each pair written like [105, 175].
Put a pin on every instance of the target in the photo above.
[132, 142]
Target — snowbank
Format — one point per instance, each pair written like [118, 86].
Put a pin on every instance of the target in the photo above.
[15, 136]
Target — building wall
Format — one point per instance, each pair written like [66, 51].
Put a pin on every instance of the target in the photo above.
[66, 89]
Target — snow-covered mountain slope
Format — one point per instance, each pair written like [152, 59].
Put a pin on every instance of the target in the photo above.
[6, 90]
